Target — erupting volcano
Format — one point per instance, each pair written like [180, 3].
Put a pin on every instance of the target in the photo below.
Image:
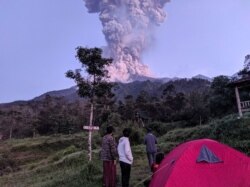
[128, 28]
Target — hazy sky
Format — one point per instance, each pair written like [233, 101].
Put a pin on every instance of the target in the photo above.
[38, 40]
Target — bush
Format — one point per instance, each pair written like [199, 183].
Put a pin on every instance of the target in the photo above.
[91, 172]
[161, 128]
[64, 152]
[136, 136]
[228, 130]
[7, 164]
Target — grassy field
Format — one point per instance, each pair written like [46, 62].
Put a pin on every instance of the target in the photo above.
[58, 161]
[61, 160]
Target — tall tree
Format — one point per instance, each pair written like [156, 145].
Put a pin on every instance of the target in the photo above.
[221, 99]
[94, 84]
[15, 116]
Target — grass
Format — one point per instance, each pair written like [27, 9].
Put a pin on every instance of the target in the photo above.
[61, 160]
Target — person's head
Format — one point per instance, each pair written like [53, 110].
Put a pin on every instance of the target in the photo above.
[159, 157]
[110, 129]
[149, 129]
[126, 132]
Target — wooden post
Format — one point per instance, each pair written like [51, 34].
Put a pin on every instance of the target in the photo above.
[90, 129]
[90, 132]
[238, 100]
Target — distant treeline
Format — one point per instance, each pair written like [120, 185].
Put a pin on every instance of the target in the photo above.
[189, 101]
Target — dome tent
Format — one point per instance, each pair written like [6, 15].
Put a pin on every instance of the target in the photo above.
[203, 163]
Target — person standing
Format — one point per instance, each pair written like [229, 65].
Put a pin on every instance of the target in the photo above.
[158, 158]
[125, 157]
[150, 141]
[108, 156]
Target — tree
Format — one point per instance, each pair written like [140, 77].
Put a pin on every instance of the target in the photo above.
[245, 72]
[169, 90]
[196, 110]
[128, 112]
[93, 85]
[221, 101]
[15, 116]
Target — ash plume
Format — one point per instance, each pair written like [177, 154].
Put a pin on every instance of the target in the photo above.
[128, 28]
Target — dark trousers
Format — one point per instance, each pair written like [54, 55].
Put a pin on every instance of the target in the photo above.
[151, 158]
[109, 174]
[125, 169]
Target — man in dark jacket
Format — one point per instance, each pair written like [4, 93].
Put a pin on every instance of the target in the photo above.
[150, 141]
[108, 156]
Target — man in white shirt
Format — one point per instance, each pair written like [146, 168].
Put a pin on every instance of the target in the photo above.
[125, 157]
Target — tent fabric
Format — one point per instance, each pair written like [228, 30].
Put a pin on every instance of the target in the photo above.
[180, 167]
[206, 155]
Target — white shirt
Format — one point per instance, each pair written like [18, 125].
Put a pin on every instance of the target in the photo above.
[124, 150]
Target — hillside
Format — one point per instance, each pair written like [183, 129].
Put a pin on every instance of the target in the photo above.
[152, 86]
[61, 160]
[61, 111]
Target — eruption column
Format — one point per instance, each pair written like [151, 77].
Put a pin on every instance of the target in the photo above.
[128, 28]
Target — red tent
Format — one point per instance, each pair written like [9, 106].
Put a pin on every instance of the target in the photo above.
[203, 163]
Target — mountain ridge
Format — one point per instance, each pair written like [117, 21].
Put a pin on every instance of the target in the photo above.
[70, 94]
[124, 88]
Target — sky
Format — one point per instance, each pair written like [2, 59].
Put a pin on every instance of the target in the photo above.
[38, 40]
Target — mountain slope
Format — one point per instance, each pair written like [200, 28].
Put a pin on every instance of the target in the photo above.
[153, 87]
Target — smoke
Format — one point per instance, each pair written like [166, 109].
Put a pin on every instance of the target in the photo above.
[128, 27]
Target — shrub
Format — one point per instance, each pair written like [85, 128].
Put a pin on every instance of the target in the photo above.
[136, 136]
[7, 164]
[91, 172]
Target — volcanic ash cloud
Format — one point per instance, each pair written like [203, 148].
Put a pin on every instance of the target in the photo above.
[128, 28]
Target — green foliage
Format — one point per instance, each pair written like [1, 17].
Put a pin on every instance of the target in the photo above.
[94, 64]
[222, 98]
[90, 172]
[162, 128]
[7, 165]
[188, 102]
[62, 153]
[97, 140]
[67, 170]
[114, 119]
[136, 136]
[230, 130]
[60, 161]
[48, 144]
[243, 146]
[93, 61]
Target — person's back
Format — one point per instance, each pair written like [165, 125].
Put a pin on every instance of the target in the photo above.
[150, 141]
[108, 156]
[125, 157]
[124, 150]
[108, 151]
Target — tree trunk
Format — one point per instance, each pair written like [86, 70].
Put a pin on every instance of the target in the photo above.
[90, 131]
[11, 129]
[34, 132]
